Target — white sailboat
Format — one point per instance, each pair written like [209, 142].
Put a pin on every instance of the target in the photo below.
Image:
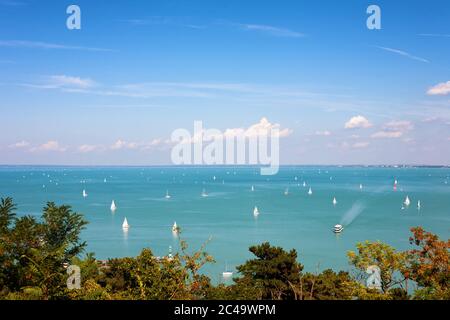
[204, 194]
[310, 191]
[85, 194]
[334, 201]
[125, 224]
[175, 228]
[360, 186]
[253, 188]
[286, 192]
[304, 184]
[418, 205]
[104, 180]
[407, 202]
[256, 211]
[113, 206]
[167, 194]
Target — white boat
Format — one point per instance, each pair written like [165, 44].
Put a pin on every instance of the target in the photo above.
[84, 194]
[256, 212]
[204, 194]
[334, 201]
[113, 206]
[214, 178]
[338, 228]
[104, 180]
[360, 186]
[167, 195]
[226, 273]
[286, 192]
[418, 205]
[175, 228]
[304, 184]
[125, 224]
[253, 188]
[407, 202]
[310, 191]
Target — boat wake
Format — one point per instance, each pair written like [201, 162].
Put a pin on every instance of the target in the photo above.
[356, 209]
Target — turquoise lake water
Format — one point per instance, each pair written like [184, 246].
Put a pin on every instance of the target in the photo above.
[296, 220]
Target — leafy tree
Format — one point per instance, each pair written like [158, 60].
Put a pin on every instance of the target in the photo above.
[327, 285]
[273, 273]
[385, 257]
[429, 265]
[33, 253]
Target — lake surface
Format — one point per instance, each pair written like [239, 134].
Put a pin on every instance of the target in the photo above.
[296, 220]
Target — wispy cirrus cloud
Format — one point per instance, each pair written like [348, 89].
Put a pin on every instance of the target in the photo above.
[63, 82]
[437, 35]
[403, 54]
[270, 30]
[46, 45]
[164, 20]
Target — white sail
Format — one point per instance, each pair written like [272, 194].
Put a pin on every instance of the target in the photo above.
[255, 211]
[304, 183]
[113, 206]
[167, 195]
[125, 224]
[175, 227]
[84, 194]
[204, 194]
[418, 205]
[286, 192]
[253, 188]
[360, 186]
[104, 180]
[310, 191]
[407, 202]
[334, 201]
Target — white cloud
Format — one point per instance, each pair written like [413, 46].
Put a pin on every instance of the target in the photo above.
[51, 145]
[404, 54]
[20, 144]
[68, 81]
[357, 122]
[360, 145]
[394, 129]
[399, 125]
[263, 128]
[121, 144]
[441, 89]
[323, 133]
[86, 148]
[387, 134]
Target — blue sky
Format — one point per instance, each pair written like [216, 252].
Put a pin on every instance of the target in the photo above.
[112, 92]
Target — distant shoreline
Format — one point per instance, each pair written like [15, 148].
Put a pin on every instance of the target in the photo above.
[395, 166]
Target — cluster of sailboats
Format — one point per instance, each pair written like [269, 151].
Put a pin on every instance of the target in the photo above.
[337, 228]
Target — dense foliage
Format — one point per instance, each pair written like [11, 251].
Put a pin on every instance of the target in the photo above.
[35, 254]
